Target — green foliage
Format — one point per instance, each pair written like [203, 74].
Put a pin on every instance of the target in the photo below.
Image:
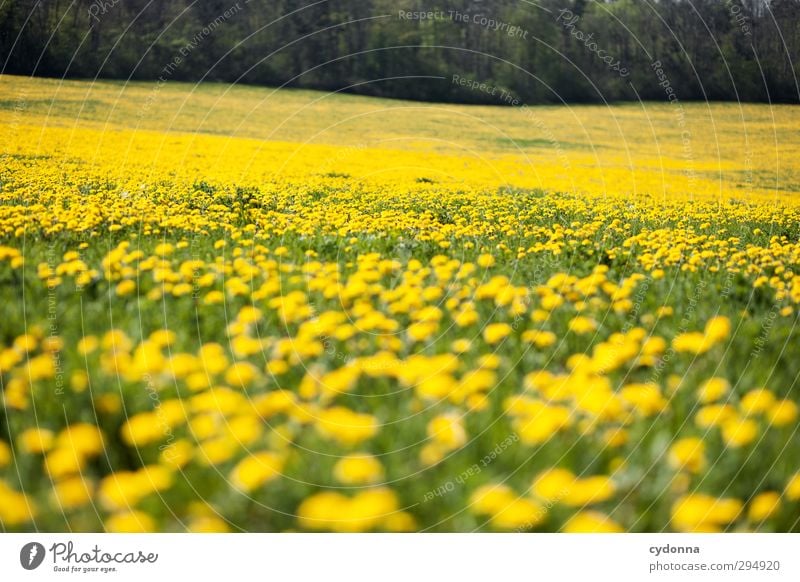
[547, 52]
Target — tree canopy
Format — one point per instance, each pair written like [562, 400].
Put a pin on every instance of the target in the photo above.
[471, 51]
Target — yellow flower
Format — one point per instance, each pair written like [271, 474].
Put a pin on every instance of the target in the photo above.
[143, 429]
[782, 413]
[432, 454]
[541, 339]
[72, 492]
[582, 325]
[5, 454]
[340, 380]
[212, 358]
[60, 462]
[15, 507]
[368, 509]
[358, 469]
[792, 490]
[692, 342]
[241, 374]
[400, 521]
[436, 387]
[79, 381]
[216, 450]
[763, 506]
[276, 367]
[616, 437]
[36, 440]
[198, 381]
[689, 454]
[473, 382]
[646, 399]
[712, 390]
[491, 499]
[489, 361]
[518, 514]
[421, 331]
[486, 261]
[543, 424]
[554, 484]
[335, 512]
[164, 249]
[26, 343]
[654, 346]
[213, 298]
[255, 470]
[176, 454]
[124, 489]
[116, 340]
[125, 287]
[698, 512]
[496, 332]
[447, 431]
[84, 438]
[461, 345]
[562, 486]
[275, 402]
[714, 415]
[249, 314]
[346, 426]
[718, 329]
[130, 522]
[591, 522]
[163, 337]
[674, 383]
[108, 403]
[589, 490]
[757, 401]
[601, 403]
[52, 344]
[739, 432]
[40, 367]
[477, 402]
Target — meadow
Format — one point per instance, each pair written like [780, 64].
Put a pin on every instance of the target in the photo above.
[241, 309]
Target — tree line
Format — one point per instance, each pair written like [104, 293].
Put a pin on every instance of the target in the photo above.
[469, 51]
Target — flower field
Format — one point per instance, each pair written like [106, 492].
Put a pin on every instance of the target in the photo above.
[227, 309]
